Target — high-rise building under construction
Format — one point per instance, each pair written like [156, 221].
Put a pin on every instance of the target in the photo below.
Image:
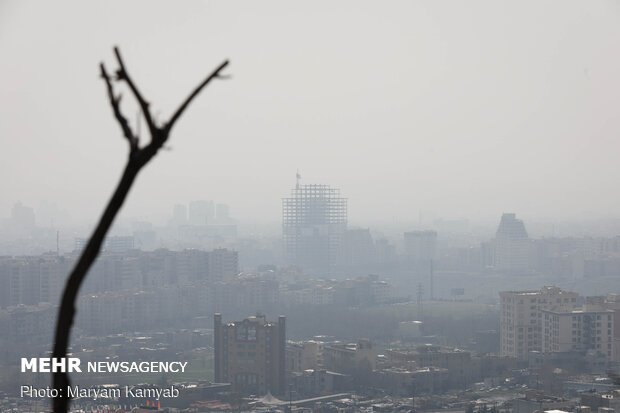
[314, 220]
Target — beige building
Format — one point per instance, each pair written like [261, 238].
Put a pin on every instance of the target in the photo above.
[457, 362]
[578, 330]
[521, 317]
[304, 355]
[353, 358]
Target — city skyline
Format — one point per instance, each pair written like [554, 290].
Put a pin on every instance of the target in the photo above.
[388, 206]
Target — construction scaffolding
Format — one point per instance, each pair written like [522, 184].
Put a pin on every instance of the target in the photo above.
[314, 220]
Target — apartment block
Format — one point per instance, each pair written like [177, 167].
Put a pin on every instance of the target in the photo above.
[250, 354]
[578, 330]
[521, 317]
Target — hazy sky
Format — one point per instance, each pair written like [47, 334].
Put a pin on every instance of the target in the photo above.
[464, 108]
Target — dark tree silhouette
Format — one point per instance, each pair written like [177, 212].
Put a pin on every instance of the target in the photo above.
[138, 157]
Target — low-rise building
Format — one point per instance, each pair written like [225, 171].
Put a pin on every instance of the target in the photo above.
[353, 358]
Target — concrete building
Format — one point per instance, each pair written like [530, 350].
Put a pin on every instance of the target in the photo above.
[314, 221]
[457, 362]
[223, 264]
[352, 358]
[306, 355]
[578, 330]
[110, 244]
[319, 382]
[511, 246]
[400, 381]
[521, 317]
[31, 324]
[250, 354]
[535, 400]
[32, 280]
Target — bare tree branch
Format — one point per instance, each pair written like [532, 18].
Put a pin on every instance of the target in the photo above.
[137, 159]
[122, 120]
[122, 74]
[181, 109]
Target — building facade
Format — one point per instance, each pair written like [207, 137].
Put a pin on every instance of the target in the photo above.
[521, 317]
[352, 358]
[578, 330]
[250, 354]
[314, 221]
[511, 246]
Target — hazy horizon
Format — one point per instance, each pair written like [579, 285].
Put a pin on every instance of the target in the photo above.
[467, 110]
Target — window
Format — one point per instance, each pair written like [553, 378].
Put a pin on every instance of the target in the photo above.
[242, 332]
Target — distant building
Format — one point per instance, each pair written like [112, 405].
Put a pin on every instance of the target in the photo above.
[357, 248]
[352, 358]
[398, 381]
[110, 244]
[179, 215]
[457, 362]
[314, 221]
[250, 354]
[22, 217]
[201, 212]
[32, 280]
[222, 212]
[303, 356]
[31, 324]
[521, 317]
[511, 246]
[410, 330]
[420, 245]
[223, 264]
[318, 382]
